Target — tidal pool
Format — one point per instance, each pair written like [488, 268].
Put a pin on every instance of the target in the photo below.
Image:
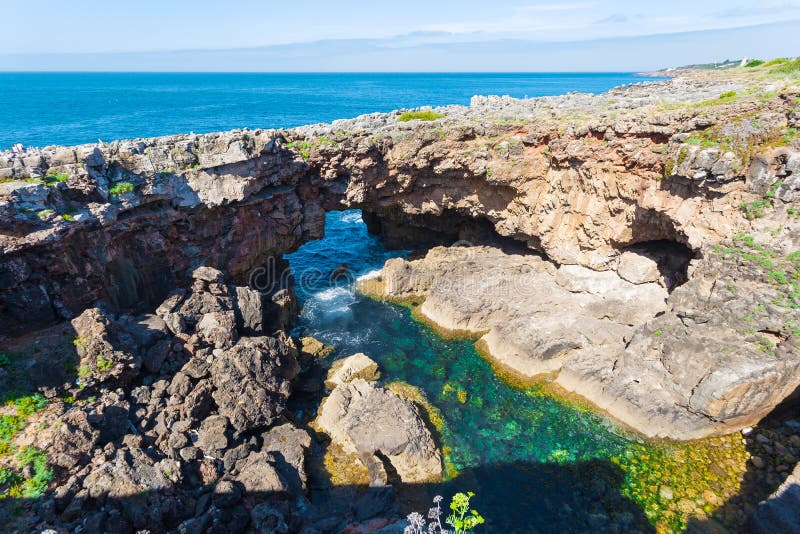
[537, 462]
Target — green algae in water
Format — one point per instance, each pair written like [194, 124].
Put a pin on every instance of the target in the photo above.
[537, 463]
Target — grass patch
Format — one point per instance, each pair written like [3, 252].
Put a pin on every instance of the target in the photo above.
[427, 115]
[104, 365]
[782, 273]
[121, 188]
[14, 484]
[788, 67]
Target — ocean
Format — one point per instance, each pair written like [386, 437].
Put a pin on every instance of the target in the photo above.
[39, 109]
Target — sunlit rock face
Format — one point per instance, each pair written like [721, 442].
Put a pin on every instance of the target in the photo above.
[614, 192]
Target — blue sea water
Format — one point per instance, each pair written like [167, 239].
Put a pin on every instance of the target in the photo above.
[39, 109]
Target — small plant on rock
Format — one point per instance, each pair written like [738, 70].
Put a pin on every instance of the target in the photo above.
[419, 116]
[104, 365]
[463, 519]
[121, 188]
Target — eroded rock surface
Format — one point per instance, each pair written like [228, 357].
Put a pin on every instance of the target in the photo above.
[375, 422]
[714, 356]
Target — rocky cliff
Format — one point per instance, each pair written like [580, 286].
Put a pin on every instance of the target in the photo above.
[638, 248]
[703, 166]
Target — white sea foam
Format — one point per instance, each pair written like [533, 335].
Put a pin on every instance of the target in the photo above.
[370, 275]
[352, 218]
[334, 293]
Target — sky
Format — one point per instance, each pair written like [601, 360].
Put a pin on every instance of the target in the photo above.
[97, 35]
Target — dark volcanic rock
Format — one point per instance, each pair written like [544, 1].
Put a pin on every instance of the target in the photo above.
[252, 381]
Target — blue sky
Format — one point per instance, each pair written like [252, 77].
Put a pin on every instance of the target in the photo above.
[39, 29]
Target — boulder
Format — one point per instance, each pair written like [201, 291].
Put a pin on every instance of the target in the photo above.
[314, 348]
[373, 422]
[290, 445]
[348, 369]
[260, 475]
[208, 274]
[637, 269]
[212, 437]
[252, 381]
[107, 352]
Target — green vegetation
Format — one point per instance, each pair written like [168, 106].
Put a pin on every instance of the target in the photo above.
[29, 405]
[755, 63]
[44, 214]
[68, 217]
[463, 519]
[303, 147]
[121, 188]
[53, 178]
[104, 365]
[788, 66]
[782, 272]
[5, 361]
[427, 115]
[725, 98]
[14, 484]
[757, 208]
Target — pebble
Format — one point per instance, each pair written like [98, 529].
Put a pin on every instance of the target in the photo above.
[746, 431]
[793, 424]
[757, 462]
[761, 438]
[666, 493]
[795, 441]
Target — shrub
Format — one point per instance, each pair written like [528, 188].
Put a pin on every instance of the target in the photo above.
[31, 488]
[755, 63]
[789, 67]
[728, 95]
[121, 188]
[104, 365]
[5, 361]
[427, 115]
[10, 425]
[29, 405]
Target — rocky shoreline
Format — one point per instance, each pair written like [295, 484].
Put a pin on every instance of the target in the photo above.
[638, 248]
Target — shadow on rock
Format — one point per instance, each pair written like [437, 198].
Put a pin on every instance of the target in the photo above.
[566, 498]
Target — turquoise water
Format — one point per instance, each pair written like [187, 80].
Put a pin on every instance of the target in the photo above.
[530, 458]
[39, 109]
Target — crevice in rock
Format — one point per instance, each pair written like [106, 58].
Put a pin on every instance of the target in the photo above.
[671, 256]
[420, 232]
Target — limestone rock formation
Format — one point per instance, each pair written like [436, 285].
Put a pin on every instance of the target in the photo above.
[701, 361]
[374, 423]
[348, 369]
